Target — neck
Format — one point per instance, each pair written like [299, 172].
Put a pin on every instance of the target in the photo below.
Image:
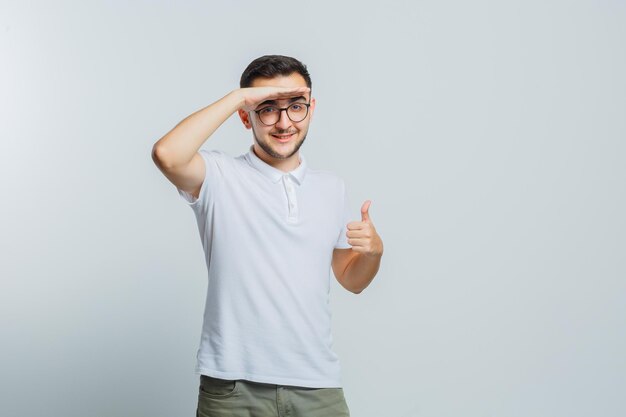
[285, 165]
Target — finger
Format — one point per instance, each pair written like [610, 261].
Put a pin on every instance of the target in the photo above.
[282, 90]
[357, 242]
[290, 93]
[359, 233]
[364, 211]
[356, 225]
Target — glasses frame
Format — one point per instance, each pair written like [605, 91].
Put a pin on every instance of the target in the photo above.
[280, 112]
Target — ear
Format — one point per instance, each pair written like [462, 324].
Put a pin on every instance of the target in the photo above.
[245, 118]
[312, 109]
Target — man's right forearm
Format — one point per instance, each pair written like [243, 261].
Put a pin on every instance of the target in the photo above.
[181, 143]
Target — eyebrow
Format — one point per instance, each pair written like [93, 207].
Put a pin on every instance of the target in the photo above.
[291, 100]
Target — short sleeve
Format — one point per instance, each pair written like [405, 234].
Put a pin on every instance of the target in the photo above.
[214, 162]
[342, 241]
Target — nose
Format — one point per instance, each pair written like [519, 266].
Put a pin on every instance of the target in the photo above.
[283, 122]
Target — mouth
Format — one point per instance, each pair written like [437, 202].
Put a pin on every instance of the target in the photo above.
[283, 138]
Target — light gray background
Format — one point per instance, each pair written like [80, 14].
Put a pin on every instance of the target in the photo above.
[489, 136]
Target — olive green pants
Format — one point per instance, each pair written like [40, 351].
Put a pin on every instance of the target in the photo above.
[242, 398]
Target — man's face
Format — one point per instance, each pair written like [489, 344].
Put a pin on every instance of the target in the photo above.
[266, 136]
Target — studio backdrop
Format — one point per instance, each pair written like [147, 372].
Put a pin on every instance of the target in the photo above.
[489, 136]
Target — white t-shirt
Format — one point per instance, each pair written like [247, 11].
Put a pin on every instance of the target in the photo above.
[268, 238]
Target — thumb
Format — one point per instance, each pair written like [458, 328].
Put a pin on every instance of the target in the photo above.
[365, 216]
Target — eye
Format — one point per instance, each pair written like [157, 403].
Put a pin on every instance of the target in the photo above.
[268, 110]
[297, 107]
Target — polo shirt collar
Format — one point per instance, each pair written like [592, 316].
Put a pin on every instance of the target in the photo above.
[275, 174]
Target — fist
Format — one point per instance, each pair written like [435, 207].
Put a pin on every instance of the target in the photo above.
[362, 235]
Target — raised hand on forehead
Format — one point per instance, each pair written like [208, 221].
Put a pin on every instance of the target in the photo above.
[253, 96]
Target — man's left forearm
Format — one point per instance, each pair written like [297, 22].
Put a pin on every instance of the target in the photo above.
[361, 271]
[368, 249]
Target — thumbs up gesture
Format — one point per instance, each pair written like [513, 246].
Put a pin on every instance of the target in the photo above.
[362, 235]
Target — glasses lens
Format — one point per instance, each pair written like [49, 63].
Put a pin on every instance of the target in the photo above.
[297, 112]
[269, 115]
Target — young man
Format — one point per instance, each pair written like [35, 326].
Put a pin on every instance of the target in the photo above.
[270, 227]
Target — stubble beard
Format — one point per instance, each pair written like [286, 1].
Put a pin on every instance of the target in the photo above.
[270, 151]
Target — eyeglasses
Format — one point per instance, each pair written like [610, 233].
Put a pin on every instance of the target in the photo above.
[270, 115]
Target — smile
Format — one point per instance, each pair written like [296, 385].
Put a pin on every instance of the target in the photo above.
[283, 138]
